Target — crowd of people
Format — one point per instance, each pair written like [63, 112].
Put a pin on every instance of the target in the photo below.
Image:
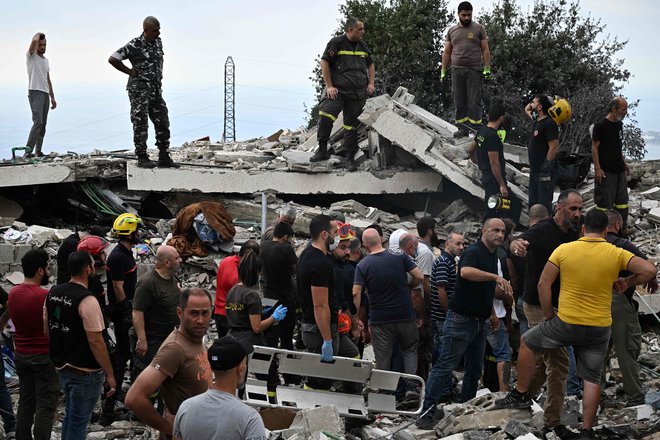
[425, 306]
[424, 310]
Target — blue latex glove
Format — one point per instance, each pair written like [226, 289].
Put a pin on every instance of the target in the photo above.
[326, 351]
[279, 313]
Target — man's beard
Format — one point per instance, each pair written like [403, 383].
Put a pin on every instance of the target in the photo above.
[467, 22]
[44, 280]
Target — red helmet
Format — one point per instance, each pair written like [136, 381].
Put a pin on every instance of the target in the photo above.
[93, 244]
[343, 323]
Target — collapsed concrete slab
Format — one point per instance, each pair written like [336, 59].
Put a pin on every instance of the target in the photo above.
[223, 180]
[61, 171]
[429, 139]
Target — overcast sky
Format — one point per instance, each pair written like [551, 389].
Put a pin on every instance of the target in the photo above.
[274, 44]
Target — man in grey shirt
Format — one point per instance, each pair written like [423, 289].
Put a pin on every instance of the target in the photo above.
[197, 417]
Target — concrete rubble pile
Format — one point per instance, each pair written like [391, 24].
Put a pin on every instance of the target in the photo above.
[396, 136]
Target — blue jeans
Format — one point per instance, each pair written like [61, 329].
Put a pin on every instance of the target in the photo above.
[464, 337]
[574, 383]
[6, 409]
[81, 392]
[438, 333]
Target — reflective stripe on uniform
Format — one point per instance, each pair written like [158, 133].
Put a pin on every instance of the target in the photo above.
[474, 121]
[358, 53]
[621, 206]
[602, 209]
[462, 120]
[327, 115]
[349, 127]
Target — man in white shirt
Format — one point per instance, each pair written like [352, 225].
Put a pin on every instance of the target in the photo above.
[40, 92]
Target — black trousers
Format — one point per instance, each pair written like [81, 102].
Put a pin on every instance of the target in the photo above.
[329, 109]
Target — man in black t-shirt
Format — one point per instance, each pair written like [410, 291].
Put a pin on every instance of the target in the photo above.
[537, 244]
[349, 75]
[122, 279]
[542, 149]
[278, 266]
[611, 190]
[469, 308]
[487, 151]
[317, 298]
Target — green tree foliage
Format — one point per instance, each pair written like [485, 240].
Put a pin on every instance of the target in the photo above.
[555, 48]
[406, 38]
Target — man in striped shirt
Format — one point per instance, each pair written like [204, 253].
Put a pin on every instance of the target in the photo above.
[443, 281]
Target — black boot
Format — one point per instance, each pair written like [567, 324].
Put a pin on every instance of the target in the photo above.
[320, 155]
[350, 163]
[165, 161]
[145, 162]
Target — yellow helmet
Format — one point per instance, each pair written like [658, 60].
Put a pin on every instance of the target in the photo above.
[125, 224]
[560, 112]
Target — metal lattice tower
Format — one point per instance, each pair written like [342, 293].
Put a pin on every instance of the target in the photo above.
[229, 133]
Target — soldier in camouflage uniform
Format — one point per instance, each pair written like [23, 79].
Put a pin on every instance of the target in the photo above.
[145, 92]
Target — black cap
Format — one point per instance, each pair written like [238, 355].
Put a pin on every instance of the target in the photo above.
[227, 352]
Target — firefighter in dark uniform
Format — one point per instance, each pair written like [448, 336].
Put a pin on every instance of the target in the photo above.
[145, 92]
[349, 74]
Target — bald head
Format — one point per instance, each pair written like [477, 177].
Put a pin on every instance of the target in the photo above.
[151, 20]
[371, 239]
[167, 260]
[408, 244]
[151, 27]
[494, 222]
[537, 213]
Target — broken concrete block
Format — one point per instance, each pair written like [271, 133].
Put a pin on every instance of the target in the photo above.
[15, 277]
[20, 251]
[456, 211]
[6, 253]
[654, 216]
[323, 418]
[650, 204]
[403, 132]
[402, 96]
[349, 206]
[6, 221]
[469, 418]
[368, 432]
[247, 156]
[516, 428]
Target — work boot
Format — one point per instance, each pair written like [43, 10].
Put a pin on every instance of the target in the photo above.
[165, 161]
[587, 434]
[562, 432]
[145, 162]
[461, 133]
[106, 419]
[320, 155]
[514, 400]
[350, 164]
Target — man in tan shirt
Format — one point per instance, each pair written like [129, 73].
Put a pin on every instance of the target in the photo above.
[180, 368]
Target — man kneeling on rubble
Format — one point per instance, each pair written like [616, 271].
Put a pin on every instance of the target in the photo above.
[585, 314]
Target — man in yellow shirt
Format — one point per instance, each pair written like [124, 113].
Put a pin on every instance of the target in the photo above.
[588, 269]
